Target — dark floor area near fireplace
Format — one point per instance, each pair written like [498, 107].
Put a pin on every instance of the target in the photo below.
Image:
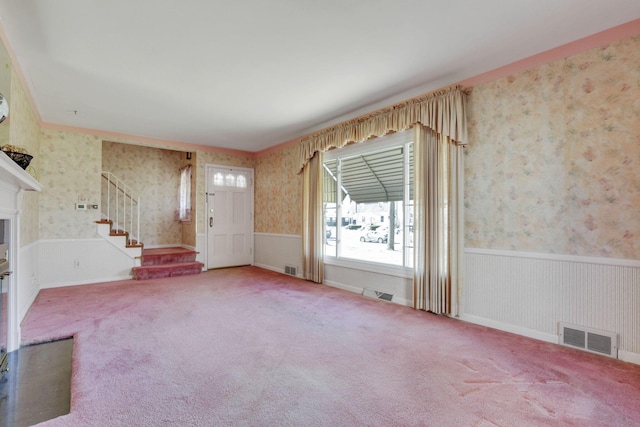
[37, 386]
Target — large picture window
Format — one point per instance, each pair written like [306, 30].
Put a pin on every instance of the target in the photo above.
[368, 201]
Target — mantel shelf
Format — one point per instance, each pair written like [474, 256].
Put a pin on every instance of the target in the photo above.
[13, 174]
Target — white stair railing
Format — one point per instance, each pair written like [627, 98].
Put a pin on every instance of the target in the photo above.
[121, 205]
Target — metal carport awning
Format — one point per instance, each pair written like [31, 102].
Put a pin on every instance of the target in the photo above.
[372, 177]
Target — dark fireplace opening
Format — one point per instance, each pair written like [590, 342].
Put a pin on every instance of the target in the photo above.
[37, 386]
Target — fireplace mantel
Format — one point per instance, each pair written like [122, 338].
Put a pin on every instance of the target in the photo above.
[14, 175]
[14, 181]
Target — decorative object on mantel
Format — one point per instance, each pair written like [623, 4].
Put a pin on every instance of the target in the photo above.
[17, 154]
[4, 108]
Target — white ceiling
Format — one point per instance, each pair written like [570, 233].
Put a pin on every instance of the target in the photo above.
[250, 74]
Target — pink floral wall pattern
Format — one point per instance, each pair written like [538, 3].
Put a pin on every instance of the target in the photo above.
[154, 174]
[65, 184]
[553, 163]
[24, 132]
[278, 198]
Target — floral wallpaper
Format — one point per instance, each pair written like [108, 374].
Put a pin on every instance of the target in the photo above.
[149, 170]
[6, 81]
[551, 165]
[24, 131]
[553, 157]
[278, 195]
[69, 170]
[155, 175]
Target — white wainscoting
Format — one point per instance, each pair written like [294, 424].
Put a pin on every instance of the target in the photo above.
[529, 293]
[275, 251]
[28, 269]
[355, 279]
[66, 262]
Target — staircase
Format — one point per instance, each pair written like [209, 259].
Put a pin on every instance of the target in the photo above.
[119, 238]
[121, 215]
[167, 262]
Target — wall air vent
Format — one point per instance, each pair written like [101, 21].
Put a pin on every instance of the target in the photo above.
[377, 294]
[290, 270]
[588, 339]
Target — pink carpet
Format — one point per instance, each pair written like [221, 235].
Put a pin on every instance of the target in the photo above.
[159, 263]
[250, 347]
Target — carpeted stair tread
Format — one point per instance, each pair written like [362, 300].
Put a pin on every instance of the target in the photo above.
[167, 262]
[158, 256]
[167, 270]
[169, 265]
[163, 251]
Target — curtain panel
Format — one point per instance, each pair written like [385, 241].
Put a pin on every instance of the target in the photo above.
[443, 111]
[441, 131]
[184, 196]
[313, 220]
[438, 222]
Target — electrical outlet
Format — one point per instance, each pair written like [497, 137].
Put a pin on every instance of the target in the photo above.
[76, 264]
[81, 206]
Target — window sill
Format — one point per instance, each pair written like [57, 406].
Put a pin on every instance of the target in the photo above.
[387, 269]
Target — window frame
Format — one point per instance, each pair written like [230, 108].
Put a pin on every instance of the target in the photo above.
[403, 138]
[184, 194]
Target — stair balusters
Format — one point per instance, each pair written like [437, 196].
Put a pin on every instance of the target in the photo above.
[121, 206]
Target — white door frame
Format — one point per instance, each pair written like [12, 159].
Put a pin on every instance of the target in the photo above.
[206, 208]
[11, 283]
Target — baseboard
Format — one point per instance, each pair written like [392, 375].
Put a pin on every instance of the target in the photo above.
[628, 356]
[501, 287]
[358, 290]
[85, 282]
[518, 330]
[276, 269]
[344, 287]
[625, 356]
[350, 288]
[402, 301]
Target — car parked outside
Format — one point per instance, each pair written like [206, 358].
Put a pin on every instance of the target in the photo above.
[374, 233]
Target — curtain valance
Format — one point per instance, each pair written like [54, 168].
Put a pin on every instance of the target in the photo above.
[443, 111]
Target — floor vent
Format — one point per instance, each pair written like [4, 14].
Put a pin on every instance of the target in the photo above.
[290, 270]
[588, 339]
[378, 295]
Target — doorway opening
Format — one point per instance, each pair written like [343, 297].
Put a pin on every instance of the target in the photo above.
[229, 216]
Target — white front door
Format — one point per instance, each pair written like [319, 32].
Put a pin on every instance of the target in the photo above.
[229, 216]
